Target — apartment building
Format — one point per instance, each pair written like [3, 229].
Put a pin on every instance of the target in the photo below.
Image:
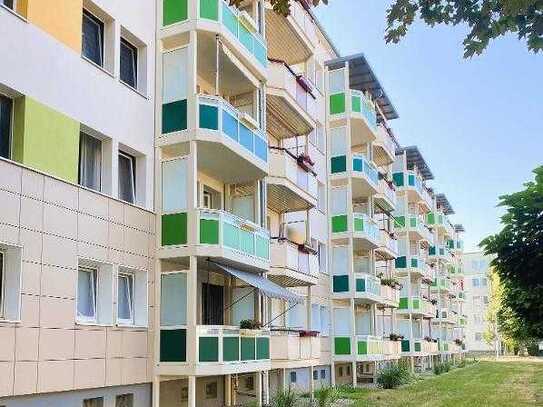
[206, 204]
[477, 268]
[76, 186]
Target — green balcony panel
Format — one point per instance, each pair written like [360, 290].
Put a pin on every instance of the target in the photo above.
[356, 104]
[432, 251]
[246, 242]
[413, 222]
[398, 178]
[209, 117]
[341, 284]
[360, 285]
[338, 164]
[339, 223]
[337, 103]
[411, 180]
[208, 349]
[174, 11]
[400, 262]
[173, 345]
[416, 303]
[209, 9]
[174, 229]
[262, 247]
[174, 116]
[414, 262]
[262, 348]
[209, 231]
[342, 346]
[45, 139]
[358, 225]
[362, 347]
[418, 347]
[358, 166]
[399, 222]
[230, 236]
[430, 218]
[404, 303]
[230, 20]
[230, 350]
[405, 345]
[248, 349]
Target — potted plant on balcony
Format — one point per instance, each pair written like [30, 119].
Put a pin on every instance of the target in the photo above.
[305, 162]
[459, 342]
[395, 337]
[308, 334]
[433, 301]
[249, 327]
[391, 282]
[428, 339]
[427, 281]
[306, 248]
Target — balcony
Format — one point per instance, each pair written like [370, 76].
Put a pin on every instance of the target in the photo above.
[364, 173]
[292, 185]
[414, 225]
[291, 266]
[439, 252]
[291, 105]
[220, 350]
[355, 106]
[290, 350]
[388, 246]
[368, 288]
[419, 347]
[391, 349]
[384, 147]
[236, 28]
[446, 316]
[410, 182]
[441, 284]
[390, 296]
[297, 30]
[418, 306]
[386, 195]
[215, 234]
[413, 265]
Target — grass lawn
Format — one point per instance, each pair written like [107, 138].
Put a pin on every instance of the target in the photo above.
[487, 383]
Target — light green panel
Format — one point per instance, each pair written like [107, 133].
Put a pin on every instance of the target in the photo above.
[45, 139]
[337, 103]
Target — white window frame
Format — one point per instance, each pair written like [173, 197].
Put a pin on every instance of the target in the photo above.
[131, 301]
[134, 49]
[14, 8]
[132, 161]
[101, 176]
[94, 290]
[94, 17]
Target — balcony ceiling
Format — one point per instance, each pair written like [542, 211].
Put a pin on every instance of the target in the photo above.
[380, 156]
[444, 204]
[285, 120]
[279, 32]
[282, 199]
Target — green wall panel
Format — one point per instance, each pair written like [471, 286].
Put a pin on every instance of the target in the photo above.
[173, 345]
[209, 117]
[416, 303]
[362, 348]
[342, 346]
[174, 11]
[360, 285]
[174, 229]
[405, 345]
[431, 218]
[414, 262]
[209, 9]
[404, 303]
[208, 349]
[230, 350]
[46, 139]
[358, 165]
[418, 347]
[262, 247]
[400, 262]
[358, 225]
[337, 103]
[341, 284]
[262, 348]
[411, 180]
[338, 164]
[246, 241]
[174, 116]
[248, 349]
[356, 104]
[432, 250]
[398, 179]
[413, 222]
[339, 223]
[209, 231]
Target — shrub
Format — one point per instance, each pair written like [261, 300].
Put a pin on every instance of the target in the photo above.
[440, 368]
[286, 398]
[326, 396]
[393, 376]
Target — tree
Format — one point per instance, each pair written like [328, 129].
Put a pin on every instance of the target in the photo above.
[486, 19]
[282, 6]
[518, 248]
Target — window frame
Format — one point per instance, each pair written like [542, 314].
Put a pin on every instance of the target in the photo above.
[11, 119]
[13, 5]
[119, 396]
[135, 59]
[131, 301]
[132, 161]
[100, 400]
[293, 375]
[101, 36]
[101, 177]
[94, 289]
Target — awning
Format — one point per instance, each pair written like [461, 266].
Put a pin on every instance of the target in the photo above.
[268, 288]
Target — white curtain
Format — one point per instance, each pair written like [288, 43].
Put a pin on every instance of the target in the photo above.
[86, 293]
[90, 162]
[243, 206]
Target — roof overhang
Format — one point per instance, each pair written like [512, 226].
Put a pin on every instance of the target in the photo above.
[443, 203]
[458, 228]
[415, 159]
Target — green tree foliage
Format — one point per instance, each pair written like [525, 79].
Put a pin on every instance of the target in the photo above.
[282, 6]
[518, 248]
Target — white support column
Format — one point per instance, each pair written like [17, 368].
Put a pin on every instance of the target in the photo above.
[333, 373]
[192, 392]
[266, 385]
[258, 388]
[228, 390]
[156, 391]
[309, 316]
[311, 383]
[353, 372]
[192, 315]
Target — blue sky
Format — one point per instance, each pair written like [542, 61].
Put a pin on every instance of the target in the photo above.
[478, 122]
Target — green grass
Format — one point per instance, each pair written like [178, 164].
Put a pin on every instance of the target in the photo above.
[492, 384]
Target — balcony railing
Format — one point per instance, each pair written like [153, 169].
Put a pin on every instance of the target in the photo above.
[388, 191]
[287, 254]
[391, 348]
[283, 163]
[388, 242]
[366, 283]
[417, 304]
[408, 179]
[363, 223]
[290, 346]
[389, 294]
[218, 115]
[232, 345]
[361, 164]
[224, 229]
[304, 21]
[368, 345]
[384, 138]
[441, 283]
[361, 104]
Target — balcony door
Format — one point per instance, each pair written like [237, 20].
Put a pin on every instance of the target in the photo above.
[212, 304]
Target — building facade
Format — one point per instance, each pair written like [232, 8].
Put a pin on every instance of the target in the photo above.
[477, 269]
[205, 204]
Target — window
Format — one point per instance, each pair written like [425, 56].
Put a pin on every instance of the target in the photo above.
[86, 294]
[293, 377]
[475, 282]
[348, 370]
[323, 374]
[249, 383]
[90, 162]
[94, 402]
[485, 300]
[93, 38]
[127, 177]
[8, 3]
[478, 336]
[340, 371]
[321, 199]
[129, 64]
[323, 258]
[211, 390]
[315, 375]
[484, 282]
[6, 111]
[320, 137]
[125, 299]
[124, 400]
